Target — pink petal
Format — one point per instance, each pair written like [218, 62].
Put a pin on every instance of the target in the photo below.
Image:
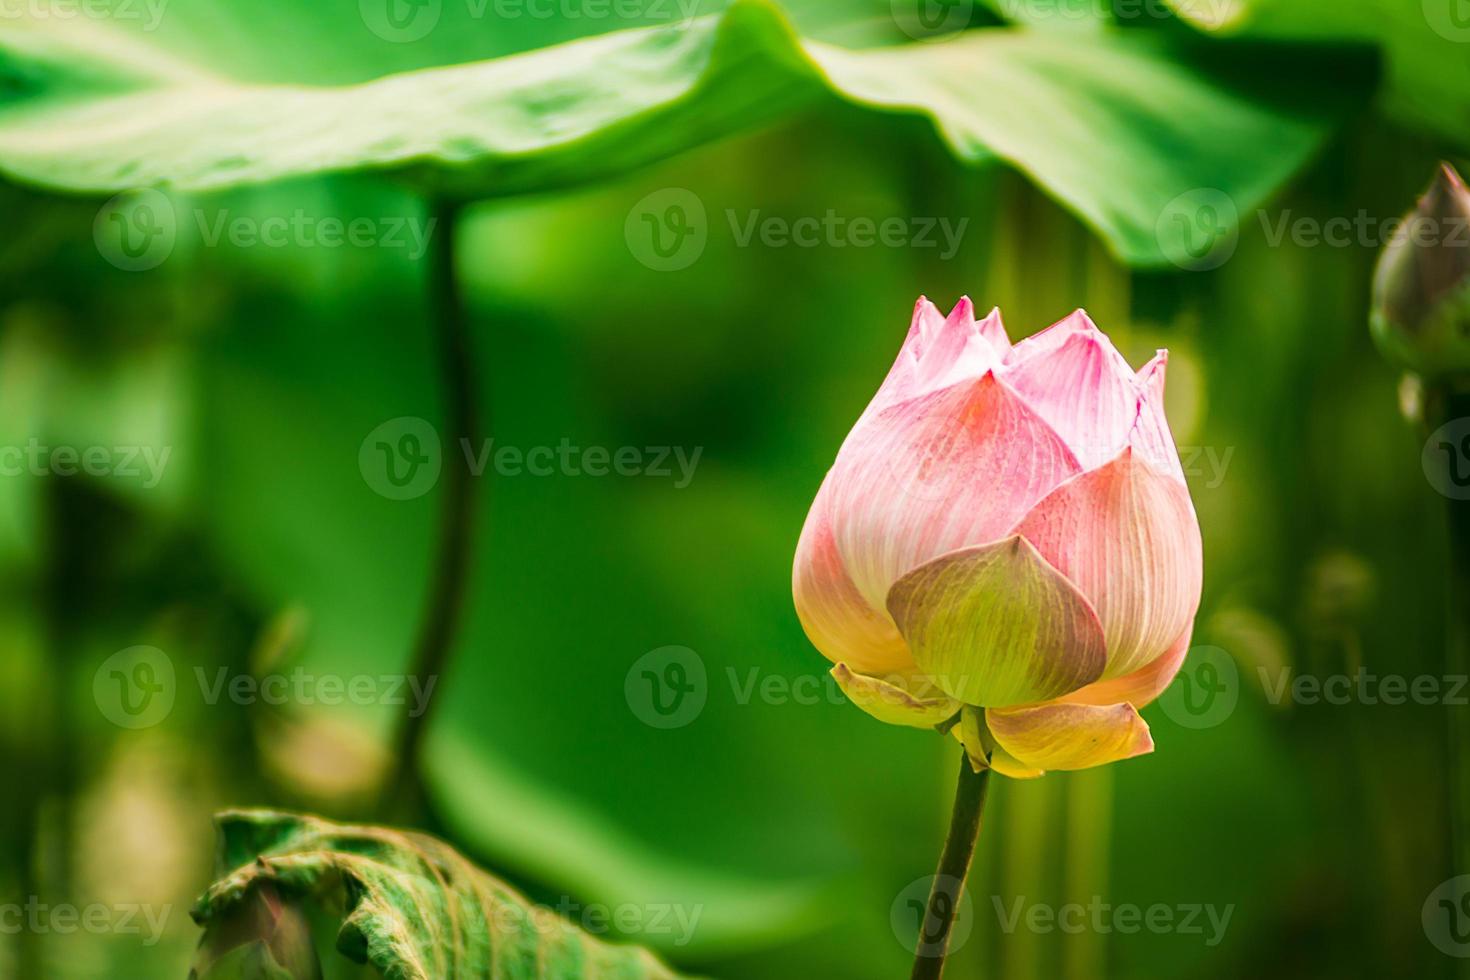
[994, 332]
[938, 351]
[837, 619]
[1127, 537]
[1070, 736]
[995, 625]
[1141, 687]
[1151, 436]
[952, 468]
[900, 382]
[1074, 378]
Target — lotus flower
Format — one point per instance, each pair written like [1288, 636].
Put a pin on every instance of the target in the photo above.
[1005, 547]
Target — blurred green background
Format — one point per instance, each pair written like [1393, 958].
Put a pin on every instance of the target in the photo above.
[790, 823]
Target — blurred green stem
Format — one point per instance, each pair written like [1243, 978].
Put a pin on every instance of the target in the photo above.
[435, 640]
[1089, 840]
[1454, 404]
[948, 889]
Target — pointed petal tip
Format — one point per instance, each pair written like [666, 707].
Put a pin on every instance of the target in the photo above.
[1446, 193]
[1449, 176]
[1144, 743]
[923, 305]
[1079, 320]
[993, 329]
[1150, 378]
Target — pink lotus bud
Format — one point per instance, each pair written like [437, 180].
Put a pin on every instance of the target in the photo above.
[1008, 529]
[264, 936]
[1421, 289]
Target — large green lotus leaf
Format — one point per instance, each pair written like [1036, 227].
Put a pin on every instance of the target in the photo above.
[1116, 126]
[1426, 75]
[409, 904]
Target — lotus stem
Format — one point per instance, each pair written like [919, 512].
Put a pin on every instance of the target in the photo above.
[948, 889]
[441, 617]
[1455, 404]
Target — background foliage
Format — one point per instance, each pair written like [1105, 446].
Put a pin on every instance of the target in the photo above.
[793, 827]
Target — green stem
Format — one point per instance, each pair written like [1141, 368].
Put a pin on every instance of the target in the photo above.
[1454, 405]
[1089, 840]
[441, 617]
[949, 880]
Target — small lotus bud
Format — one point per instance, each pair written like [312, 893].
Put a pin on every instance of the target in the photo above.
[1421, 290]
[263, 937]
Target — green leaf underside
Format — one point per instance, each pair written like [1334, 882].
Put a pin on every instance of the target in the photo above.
[412, 906]
[1115, 128]
[1426, 74]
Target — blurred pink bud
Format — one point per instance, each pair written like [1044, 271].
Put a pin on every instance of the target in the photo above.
[1008, 528]
[1420, 315]
[265, 936]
